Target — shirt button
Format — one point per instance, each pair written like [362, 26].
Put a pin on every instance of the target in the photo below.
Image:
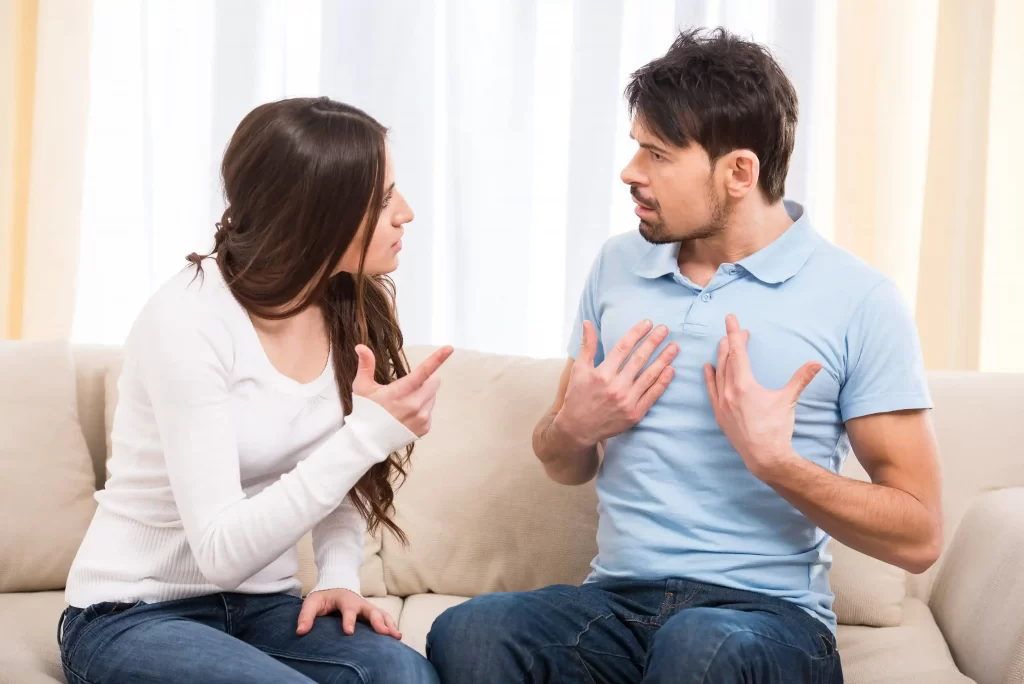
[706, 297]
[732, 271]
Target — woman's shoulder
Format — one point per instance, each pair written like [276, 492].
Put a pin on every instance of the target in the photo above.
[194, 301]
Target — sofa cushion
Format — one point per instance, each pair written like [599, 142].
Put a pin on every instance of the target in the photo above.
[480, 513]
[418, 615]
[46, 476]
[868, 591]
[28, 638]
[913, 653]
[371, 575]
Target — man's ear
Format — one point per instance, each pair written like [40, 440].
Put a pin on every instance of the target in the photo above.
[741, 169]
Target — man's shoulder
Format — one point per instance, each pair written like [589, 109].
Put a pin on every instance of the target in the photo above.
[841, 270]
[624, 250]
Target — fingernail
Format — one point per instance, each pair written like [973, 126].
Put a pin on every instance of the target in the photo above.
[647, 323]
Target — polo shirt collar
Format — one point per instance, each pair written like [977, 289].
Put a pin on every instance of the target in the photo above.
[775, 263]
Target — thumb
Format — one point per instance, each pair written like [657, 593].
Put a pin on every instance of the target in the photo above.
[310, 609]
[364, 381]
[588, 345]
[801, 379]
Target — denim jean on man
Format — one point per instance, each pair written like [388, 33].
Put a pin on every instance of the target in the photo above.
[624, 631]
[228, 638]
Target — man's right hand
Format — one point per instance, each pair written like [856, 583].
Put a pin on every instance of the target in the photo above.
[607, 400]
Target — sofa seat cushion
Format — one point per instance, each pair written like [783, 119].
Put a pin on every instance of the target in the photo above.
[28, 635]
[28, 638]
[912, 653]
[419, 613]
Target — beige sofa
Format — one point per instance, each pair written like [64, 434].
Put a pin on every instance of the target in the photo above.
[481, 517]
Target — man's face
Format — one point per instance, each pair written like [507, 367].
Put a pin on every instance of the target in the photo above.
[674, 189]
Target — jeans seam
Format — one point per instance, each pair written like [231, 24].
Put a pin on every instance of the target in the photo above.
[324, 661]
[100, 645]
[711, 662]
[583, 664]
[69, 671]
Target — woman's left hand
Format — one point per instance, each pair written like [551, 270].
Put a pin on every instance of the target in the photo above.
[352, 606]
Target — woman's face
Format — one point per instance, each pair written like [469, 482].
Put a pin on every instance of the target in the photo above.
[382, 257]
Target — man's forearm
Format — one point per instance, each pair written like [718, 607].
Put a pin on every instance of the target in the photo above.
[877, 520]
[564, 460]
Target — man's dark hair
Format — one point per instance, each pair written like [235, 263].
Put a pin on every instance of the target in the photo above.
[723, 93]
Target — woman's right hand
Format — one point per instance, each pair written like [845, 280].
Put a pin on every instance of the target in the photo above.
[410, 400]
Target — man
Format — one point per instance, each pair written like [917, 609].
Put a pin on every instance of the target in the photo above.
[717, 447]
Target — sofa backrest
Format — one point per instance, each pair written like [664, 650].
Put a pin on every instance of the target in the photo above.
[482, 516]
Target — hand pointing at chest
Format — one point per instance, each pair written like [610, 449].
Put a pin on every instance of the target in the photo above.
[758, 421]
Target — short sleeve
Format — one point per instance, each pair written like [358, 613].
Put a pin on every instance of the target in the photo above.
[884, 367]
[588, 310]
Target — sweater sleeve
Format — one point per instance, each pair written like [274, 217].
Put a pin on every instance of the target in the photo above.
[338, 548]
[183, 356]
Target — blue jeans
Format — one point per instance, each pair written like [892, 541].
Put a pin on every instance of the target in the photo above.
[227, 638]
[632, 631]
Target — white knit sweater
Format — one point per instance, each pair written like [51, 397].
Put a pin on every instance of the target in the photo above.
[221, 464]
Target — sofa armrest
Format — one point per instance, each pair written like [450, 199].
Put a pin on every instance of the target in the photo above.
[978, 598]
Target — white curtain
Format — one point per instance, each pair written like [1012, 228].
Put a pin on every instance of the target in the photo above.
[507, 122]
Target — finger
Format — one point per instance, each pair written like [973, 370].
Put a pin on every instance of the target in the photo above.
[801, 379]
[722, 369]
[376, 620]
[426, 369]
[653, 371]
[654, 393]
[738, 363]
[588, 345]
[620, 351]
[309, 612]
[427, 391]
[349, 614]
[392, 627]
[644, 351]
[364, 379]
[709, 380]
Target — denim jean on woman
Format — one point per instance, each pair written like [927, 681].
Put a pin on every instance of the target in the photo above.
[228, 638]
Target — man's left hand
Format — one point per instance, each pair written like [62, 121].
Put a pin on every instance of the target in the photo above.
[758, 421]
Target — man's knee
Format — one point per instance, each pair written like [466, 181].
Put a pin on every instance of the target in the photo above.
[470, 625]
[484, 639]
[719, 645]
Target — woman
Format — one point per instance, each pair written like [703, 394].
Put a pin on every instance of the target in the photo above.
[264, 394]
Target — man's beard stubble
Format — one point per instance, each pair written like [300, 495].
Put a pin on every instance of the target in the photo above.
[657, 233]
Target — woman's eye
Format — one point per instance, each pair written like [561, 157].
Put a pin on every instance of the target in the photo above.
[657, 157]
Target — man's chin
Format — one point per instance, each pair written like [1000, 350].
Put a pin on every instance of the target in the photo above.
[654, 233]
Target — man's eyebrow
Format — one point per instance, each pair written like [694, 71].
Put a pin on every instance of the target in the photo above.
[649, 146]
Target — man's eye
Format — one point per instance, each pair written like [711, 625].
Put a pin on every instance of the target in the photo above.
[657, 157]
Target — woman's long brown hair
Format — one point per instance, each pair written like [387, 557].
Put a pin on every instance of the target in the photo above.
[300, 178]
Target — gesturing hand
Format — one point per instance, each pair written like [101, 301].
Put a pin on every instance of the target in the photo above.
[758, 421]
[605, 401]
[352, 606]
[409, 399]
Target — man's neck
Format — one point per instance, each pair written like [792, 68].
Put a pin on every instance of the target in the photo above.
[749, 229]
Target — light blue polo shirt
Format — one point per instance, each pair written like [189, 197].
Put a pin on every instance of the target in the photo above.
[675, 499]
